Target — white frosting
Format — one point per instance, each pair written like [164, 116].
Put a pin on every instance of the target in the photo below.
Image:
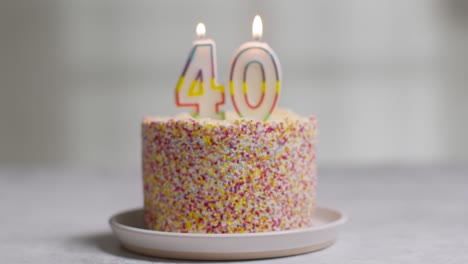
[230, 117]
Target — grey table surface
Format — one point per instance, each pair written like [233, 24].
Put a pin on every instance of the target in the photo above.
[397, 215]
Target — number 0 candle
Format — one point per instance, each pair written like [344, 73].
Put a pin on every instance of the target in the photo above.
[197, 87]
[255, 77]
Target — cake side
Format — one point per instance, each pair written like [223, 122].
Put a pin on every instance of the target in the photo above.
[231, 176]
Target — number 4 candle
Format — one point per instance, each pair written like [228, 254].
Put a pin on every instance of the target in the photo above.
[255, 77]
[197, 87]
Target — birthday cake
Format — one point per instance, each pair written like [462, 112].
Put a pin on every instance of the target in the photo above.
[252, 170]
[229, 176]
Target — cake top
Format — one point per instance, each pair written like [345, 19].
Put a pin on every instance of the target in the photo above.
[278, 116]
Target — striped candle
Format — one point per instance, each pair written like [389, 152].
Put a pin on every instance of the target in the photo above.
[197, 87]
[254, 78]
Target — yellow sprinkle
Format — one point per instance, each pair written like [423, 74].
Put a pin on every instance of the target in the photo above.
[159, 158]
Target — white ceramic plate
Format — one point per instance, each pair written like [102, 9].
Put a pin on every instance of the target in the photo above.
[130, 230]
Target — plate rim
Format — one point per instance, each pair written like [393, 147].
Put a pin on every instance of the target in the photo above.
[342, 219]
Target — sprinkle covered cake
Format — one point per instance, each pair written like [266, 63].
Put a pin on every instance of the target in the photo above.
[229, 176]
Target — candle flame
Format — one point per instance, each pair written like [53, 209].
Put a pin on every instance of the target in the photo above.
[201, 30]
[257, 28]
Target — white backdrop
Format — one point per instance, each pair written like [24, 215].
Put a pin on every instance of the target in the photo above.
[387, 79]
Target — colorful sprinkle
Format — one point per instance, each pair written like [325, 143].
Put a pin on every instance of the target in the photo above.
[232, 176]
